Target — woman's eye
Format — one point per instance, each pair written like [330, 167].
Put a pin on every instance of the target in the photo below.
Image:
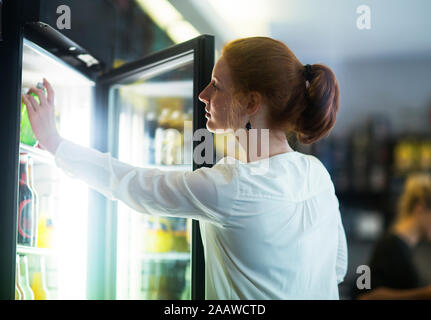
[213, 85]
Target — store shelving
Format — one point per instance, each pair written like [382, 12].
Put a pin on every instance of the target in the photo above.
[36, 251]
[182, 256]
[37, 154]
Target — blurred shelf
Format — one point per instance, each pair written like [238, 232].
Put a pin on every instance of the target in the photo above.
[178, 256]
[37, 154]
[35, 251]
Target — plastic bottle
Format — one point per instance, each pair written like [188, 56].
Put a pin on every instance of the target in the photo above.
[27, 137]
[45, 230]
[38, 283]
[24, 280]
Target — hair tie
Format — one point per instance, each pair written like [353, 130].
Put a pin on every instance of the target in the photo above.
[307, 73]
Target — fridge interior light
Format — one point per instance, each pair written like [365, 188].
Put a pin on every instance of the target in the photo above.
[88, 59]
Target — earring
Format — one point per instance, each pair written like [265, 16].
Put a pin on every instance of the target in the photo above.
[248, 126]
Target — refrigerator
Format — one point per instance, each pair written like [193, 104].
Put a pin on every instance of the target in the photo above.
[143, 113]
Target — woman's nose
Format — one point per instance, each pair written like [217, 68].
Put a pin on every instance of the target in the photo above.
[203, 96]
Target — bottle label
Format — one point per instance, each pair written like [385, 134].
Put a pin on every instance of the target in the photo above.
[24, 220]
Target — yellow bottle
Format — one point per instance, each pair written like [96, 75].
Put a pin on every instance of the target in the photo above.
[45, 229]
[38, 282]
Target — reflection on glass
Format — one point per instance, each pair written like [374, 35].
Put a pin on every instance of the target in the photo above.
[154, 118]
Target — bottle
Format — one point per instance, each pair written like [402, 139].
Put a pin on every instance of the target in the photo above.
[45, 229]
[23, 280]
[179, 231]
[27, 137]
[26, 206]
[38, 283]
[35, 200]
[150, 127]
[173, 139]
[160, 137]
[18, 291]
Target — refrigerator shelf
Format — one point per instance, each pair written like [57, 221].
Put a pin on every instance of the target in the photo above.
[35, 251]
[37, 154]
[181, 256]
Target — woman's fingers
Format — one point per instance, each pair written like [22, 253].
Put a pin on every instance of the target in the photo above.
[41, 95]
[33, 103]
[49, 91]
[29, 102]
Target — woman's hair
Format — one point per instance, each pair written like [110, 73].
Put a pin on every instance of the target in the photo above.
[417, 190]
[269, 67]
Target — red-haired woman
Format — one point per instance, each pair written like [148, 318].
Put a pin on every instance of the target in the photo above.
[274, 235]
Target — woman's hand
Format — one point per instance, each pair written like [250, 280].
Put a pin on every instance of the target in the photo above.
[42, 117]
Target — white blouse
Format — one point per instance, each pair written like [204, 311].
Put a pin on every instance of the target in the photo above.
[270, 234]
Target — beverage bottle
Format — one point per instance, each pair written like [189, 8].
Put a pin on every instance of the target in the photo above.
[27, 136]
[160, 137]
[23, 280]
[18, 291]
[35, 200]
[174, 138]
[26, 206]
[164, 238]
[45, 229]
[186, 294]
[38, 283]
[150, 127]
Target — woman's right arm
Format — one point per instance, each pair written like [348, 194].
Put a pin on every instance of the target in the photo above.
[203, 194]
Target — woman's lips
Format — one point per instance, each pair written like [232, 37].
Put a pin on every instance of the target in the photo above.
[208, 115]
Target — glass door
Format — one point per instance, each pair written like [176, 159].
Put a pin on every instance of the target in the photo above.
[153, 112]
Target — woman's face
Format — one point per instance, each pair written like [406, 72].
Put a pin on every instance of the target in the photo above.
[217, 97]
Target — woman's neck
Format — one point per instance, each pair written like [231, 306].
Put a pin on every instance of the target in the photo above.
[264, 144]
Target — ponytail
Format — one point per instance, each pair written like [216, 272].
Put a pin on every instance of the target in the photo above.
[321, 97]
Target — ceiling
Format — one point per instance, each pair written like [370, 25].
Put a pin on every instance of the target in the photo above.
[318, 30]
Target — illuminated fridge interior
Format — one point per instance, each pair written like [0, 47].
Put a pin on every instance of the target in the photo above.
[56, 266]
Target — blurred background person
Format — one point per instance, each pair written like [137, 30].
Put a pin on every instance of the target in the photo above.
[394, 274]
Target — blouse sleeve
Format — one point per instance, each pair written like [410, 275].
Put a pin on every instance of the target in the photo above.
[341, 264]
[201, 194]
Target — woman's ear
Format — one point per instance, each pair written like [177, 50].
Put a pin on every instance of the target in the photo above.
[254, 103]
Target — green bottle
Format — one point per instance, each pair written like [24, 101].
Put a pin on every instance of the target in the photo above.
[27, 136]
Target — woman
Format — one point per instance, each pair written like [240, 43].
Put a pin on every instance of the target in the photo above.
[393, 272]
[276, 235]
